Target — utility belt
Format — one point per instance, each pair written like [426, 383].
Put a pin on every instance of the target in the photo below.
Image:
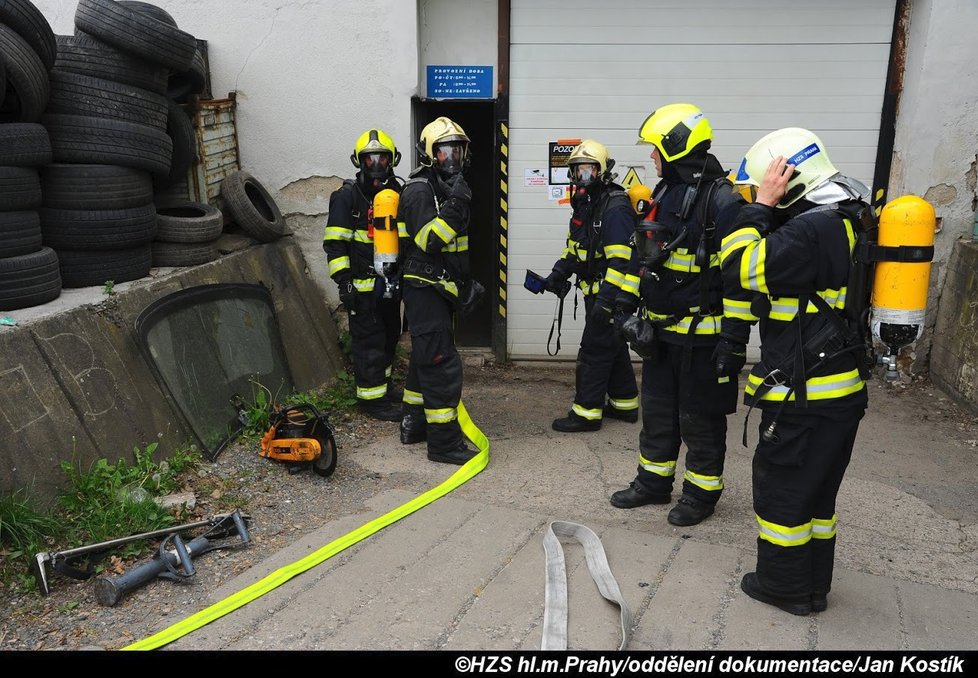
[428, 270]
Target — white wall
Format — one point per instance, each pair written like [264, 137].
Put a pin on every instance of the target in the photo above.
[458, 34]
[936, 145]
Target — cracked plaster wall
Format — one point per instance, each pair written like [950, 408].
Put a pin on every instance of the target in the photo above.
[936, 142]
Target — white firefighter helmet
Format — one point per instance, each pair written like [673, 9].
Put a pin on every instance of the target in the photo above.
[802, 148]
[589, 152]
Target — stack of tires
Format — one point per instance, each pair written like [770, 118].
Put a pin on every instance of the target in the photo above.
[108, 119]
[29, 273]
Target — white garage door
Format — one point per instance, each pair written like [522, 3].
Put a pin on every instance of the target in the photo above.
[596, 70]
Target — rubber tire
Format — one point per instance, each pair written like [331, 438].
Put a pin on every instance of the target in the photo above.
[87, 269]
[29, 280]
[20, 189]
[180, 130]
[95, 187]
[101, 230]
[20, 233]
[28, 88]
[76, 94]
[192, 222]
[84, 139]
[24, 144]
[136, 32]
[183, 254]
[85, 55]
[28, 22]
[252, 208]
[325, 463]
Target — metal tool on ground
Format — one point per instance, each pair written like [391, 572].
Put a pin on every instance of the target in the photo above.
[78, 562]
[302, 436]
[176, 564]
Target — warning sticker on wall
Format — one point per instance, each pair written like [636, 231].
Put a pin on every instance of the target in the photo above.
[632, 176]
[559, 153]
[534, 177]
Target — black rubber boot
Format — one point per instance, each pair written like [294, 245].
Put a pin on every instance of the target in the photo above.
[820, 602]
[689, 511]
[797, 605]
[414, 429]
[635, 495]
[631, 416]
[459, 455]
[381, 409]
[573, 423]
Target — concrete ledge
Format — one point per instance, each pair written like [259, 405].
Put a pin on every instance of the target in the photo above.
[75, 386]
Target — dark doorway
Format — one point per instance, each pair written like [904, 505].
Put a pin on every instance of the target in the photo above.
[477, 118]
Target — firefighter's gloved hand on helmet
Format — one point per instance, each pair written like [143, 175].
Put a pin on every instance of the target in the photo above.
[640, 335]
[729, 357]
[458, 188]
[349, 296]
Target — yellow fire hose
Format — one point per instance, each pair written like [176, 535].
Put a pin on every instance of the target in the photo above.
[471, 469]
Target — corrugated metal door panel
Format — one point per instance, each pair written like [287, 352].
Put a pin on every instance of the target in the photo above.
[579, 70]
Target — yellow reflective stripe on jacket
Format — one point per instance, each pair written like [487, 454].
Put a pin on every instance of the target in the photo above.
[782, 535]
[575, 250]
[682, 260]
[412, 398]
[439, 227]
[338, 264]
[362, 236]
[736, 308]
[460, 244]
[372, 393]
[824, 529]
[752, 276]
[441, 415]
[589, 288]
[707, 325]
[632, 283]
[817, 388]
[786, 308]
[708, 483]
[364, 284]
[388, 371]
[738, 239]
[402, 231]
[626, 404]
[338, 233]
[591, 415]
[666, 469]
[616, 278]
[620, 251]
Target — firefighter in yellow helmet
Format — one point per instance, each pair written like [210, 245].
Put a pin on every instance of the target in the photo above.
[434, 221]
[692, 336]
[793, 245]
[375, 319]
[597, 255]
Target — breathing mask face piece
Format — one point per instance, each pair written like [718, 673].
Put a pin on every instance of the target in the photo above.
[654, 243]
[449, 157]
[583, 174]
[375, 165]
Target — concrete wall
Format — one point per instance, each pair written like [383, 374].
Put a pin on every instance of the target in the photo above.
[75, 386]
[954, 355]
[457, 34]
[936, 145]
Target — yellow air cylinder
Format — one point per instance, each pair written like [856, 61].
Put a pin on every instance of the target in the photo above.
[900, 287]
[385, 230]
[638, 192]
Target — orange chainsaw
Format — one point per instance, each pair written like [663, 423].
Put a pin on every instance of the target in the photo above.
[302, 435]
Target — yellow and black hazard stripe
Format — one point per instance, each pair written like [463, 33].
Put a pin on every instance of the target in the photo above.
[503, 213]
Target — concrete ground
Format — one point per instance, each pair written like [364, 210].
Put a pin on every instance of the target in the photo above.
[467, 572]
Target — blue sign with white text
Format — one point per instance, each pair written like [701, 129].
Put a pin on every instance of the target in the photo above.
[460, 82]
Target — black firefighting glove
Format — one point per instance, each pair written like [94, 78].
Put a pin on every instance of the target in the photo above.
[458, 188]
[602, 311]
[640, 335]
[349, 296]
[557, 284]
[729, 357]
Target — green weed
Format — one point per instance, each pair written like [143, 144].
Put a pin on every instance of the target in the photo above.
[109, 287]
